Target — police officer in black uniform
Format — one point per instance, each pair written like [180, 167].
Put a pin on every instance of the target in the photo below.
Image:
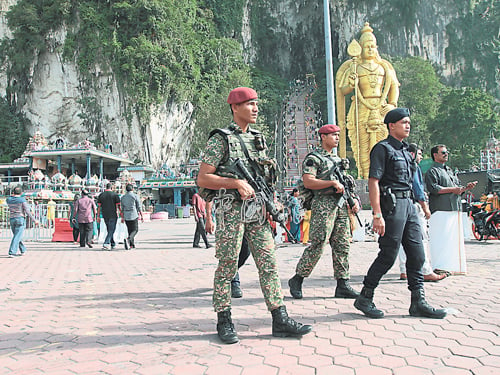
[394, 218]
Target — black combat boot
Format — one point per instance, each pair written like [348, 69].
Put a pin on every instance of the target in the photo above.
[284, 326]
[420, 308]
[295, 284]
[364, 303]
[236, 291]
[344, 290]
[225, 328]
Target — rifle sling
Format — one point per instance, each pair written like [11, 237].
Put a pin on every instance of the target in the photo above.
[251, 162]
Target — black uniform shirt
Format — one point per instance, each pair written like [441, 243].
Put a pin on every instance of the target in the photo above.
[392, 164]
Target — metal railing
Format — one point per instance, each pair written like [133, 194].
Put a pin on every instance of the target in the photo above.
[44, 213]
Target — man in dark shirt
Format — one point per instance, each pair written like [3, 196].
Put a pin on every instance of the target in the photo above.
[394, 218]
[442, 183]
[108, 202]
[447, 246]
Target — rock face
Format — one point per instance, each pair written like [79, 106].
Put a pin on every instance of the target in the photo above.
[60, 103]
[289, 38]
[4, 32]
[415, 28]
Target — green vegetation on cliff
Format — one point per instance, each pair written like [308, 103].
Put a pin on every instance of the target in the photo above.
[461, 118]
[157, 50]
[14, 137]
[170, 50]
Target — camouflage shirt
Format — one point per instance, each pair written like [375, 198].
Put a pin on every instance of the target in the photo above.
[215, 151]
[317, 166]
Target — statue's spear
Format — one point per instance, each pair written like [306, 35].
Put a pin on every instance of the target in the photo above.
[354, 50]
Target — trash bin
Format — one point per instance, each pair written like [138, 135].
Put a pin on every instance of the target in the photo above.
[170, 208]
[186, 211]
[179, 212]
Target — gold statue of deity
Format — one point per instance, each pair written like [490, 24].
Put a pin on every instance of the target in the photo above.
[375, 88]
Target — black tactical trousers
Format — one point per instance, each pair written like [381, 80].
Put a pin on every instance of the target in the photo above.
[401, 227]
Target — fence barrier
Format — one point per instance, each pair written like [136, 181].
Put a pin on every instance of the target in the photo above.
[44, 213]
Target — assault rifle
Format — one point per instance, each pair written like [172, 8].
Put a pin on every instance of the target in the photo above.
[265, 193]
[348, 190]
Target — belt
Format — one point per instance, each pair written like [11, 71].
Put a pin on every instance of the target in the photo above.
[402, 194]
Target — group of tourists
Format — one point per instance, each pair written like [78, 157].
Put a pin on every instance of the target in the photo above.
[85, 211]
[106, 208]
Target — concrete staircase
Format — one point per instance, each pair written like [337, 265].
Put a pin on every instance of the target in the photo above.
[301, 136]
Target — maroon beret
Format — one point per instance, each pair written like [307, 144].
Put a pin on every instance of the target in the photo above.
[241, 94]
[328, 129]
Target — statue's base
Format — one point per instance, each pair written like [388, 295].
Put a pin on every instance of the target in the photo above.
[362, 191]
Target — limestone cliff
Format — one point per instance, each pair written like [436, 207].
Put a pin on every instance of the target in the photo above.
[59, 99]
[284, 35]
[58, 104]
[294, 40]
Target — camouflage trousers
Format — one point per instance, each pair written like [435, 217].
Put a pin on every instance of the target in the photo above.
[228, 238]
[328, 224]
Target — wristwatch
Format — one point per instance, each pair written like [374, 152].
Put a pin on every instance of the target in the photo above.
[377, 215]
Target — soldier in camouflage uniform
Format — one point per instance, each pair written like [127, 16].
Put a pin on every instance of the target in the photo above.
[238, 214]
[329, 223]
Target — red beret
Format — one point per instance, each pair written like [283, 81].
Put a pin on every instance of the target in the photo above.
[328, 129]
[241, 94]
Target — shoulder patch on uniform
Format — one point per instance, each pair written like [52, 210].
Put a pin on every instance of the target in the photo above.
[309, 162]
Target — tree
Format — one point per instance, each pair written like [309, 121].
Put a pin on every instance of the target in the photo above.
[222, 70]
[271, 89]
[464, 122]
[13, 129]
[421, 92]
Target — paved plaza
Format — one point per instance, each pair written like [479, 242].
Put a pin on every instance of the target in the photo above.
[66, 310]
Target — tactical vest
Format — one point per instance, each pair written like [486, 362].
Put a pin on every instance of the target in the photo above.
[326, 163]
[256, 148]
[400, 168]
[234, 149]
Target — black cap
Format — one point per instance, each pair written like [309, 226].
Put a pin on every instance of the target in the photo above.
[396, 114]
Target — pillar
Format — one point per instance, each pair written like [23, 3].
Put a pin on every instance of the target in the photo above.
[88, 167]
[101, 168]
[177, 197]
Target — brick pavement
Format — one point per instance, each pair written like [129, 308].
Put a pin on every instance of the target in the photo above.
[64, 310]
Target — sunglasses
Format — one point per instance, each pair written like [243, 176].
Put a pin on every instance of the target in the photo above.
[445, 152]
